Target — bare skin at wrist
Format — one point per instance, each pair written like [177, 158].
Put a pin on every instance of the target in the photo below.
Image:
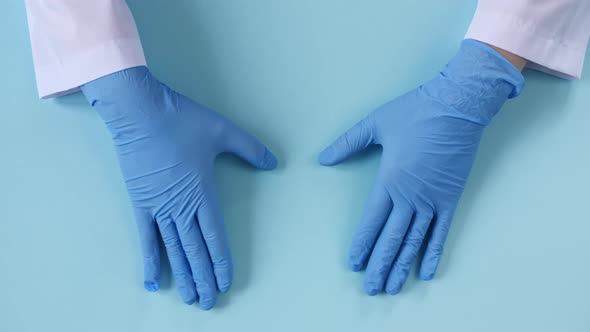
[518, 61]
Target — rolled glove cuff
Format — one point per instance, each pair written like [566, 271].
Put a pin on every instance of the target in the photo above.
[476, 82]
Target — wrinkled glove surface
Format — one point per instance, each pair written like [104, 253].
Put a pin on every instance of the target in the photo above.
[166, 145]
[429, 138]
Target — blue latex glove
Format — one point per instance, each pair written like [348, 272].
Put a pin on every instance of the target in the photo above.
[429, 138]
[166, 145]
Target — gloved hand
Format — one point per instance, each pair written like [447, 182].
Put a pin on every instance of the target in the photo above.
[166, 145]
[429, 138]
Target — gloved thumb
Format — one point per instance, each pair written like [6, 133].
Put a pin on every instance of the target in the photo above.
[355, 140]
[250, 149]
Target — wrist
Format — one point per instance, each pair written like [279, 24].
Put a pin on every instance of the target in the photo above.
[119, 86]
[125, 96]
[476, 82]
[516, 60]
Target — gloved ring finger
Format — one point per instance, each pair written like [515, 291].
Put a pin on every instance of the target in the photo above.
[180, 267]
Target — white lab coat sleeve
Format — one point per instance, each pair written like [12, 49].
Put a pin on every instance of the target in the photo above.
[551, 34]
[76, 41]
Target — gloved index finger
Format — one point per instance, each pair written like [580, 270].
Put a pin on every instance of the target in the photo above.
[210, 221]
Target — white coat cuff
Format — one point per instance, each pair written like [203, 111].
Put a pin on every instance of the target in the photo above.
[515, 34]
[76, 69]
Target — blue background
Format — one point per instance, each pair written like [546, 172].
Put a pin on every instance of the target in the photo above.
[296, 74]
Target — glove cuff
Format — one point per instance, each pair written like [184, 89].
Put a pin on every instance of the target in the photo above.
[476, 82]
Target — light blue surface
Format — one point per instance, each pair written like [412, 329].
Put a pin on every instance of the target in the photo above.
[295, 74]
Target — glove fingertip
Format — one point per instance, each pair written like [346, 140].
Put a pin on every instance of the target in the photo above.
[393, 290]
[206, 307]
[326, 157]
[355, 266]
[223, 279]
[224, 286]
[356, 258]
[189, 301]
[188, 296]
[151, 272]
[426, 276]
[429, 265]
[270, 161]
[371, 291]
[427, 272]
[151, 285]
[207, 304]
[372, 286]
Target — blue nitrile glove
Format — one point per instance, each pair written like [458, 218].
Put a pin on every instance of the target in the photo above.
[166, 144]
[429, 137]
